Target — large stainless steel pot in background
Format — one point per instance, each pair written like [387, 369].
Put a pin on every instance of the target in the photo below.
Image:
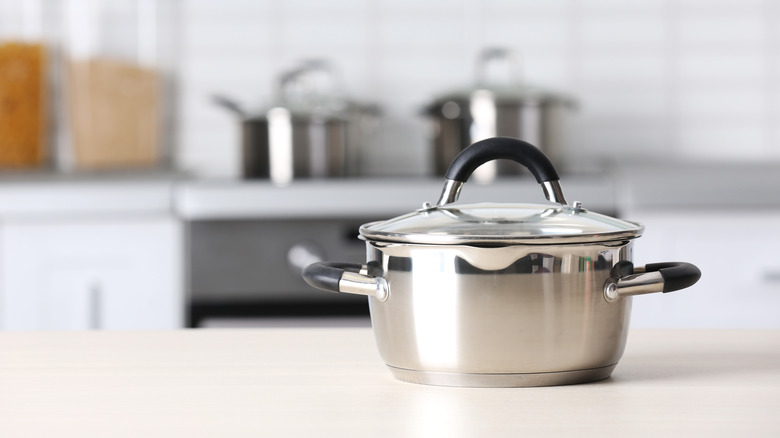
[497, 105]
[312, 131]
[500, 294]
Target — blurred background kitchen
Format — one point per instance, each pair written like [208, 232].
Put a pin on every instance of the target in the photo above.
[176, 163]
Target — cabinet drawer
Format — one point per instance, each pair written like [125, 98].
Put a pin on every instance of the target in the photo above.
[737, 254]
[92, 274]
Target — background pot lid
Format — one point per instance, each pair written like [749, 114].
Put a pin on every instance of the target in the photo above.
[501, 224]
[504, 93]
[521, 96]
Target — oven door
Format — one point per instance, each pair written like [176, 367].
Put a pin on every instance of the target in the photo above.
[248, 272]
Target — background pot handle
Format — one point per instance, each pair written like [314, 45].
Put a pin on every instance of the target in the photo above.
[654, 277]
[479, 153]
[345, 278]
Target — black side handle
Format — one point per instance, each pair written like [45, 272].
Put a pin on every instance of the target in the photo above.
[326, 275]
[479, 153]
[676, 275]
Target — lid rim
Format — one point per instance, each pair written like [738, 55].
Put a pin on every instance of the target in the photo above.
[501, 224]
[550, 239]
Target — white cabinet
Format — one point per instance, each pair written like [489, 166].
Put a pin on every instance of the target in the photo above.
[91, 273]
[738, 254]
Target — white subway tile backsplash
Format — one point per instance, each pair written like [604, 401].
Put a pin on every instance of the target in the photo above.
[418, 32]
[325, 36]
[250, 81]
[599, 67]
[212, 149]
[415, 79]
[713, 69]
[202, 12]
[746, 104]
[227, 6]
[233, 38]
[603, 137]
[622, 32]
[738, 141]
[526, 7]
[548, 69]
[526, 33]
[329, 9]
[622, 7]
[433, 8]
[728, 8]
[728, 33]
[401, 148]
[645, 102]
[685, 77]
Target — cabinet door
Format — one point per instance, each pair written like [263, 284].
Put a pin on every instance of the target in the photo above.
[91, 275]
[737, 254]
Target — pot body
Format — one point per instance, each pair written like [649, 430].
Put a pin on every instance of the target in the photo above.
[519, 315]
[460, 122]
[285, 146]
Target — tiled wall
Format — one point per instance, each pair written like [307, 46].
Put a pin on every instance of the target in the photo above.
[687, 78]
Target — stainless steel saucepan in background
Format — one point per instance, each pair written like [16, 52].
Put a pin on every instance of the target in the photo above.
[312, 130]
[499, 103]
[498, 295]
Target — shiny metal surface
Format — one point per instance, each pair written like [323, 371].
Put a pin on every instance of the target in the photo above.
[312, 130]
[502, 224]
[636, 284]
[450, 193]
[476, 316]
[505, 380]
[464, 117]
[362, 284]
[490, 223]
[492, 108]
[553, 192]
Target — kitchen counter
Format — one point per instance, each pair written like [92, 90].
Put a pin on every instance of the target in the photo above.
[608, 188]
[36, 195]
[331, 382]
[369, 197]
[698, 186]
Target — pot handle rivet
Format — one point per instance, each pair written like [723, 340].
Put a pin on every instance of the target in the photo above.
[611, 290]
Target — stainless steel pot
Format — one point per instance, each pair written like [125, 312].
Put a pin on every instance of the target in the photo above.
[500, 294]
[312, 131]
[497, 105]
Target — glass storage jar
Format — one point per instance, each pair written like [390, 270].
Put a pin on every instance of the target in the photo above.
[24, 102]
[119, 61]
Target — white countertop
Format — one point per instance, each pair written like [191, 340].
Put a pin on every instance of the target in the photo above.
[331, 382]
[619, 187]
[54, 195]
[369, 197]
[697, 186]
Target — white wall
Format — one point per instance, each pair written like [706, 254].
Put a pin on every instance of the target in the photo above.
[691, 78]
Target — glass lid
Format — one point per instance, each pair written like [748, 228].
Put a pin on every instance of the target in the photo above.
[491, 223]
[501, 224]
